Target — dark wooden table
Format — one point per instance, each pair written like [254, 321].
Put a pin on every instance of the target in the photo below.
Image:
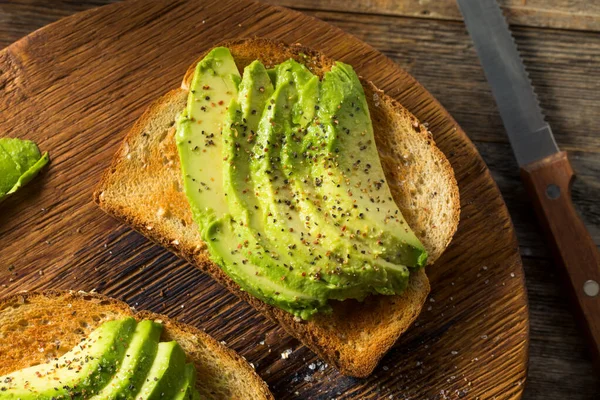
[560, 44]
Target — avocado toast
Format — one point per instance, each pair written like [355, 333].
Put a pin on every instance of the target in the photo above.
[124, 352]
[144, 187]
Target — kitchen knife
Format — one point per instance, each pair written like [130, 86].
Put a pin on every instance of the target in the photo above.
[545, 170]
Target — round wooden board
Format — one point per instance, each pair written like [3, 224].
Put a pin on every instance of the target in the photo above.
[77, 85]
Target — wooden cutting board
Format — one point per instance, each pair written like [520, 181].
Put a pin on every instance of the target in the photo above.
[77, 85]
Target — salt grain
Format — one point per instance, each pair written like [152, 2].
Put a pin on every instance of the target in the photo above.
[286, 354]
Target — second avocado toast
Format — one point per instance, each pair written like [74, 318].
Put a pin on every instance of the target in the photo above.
[144, 187]
[75, 345]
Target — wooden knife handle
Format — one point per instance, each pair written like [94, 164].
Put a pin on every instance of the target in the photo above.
[548, 182]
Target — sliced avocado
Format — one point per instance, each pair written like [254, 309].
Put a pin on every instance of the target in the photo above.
[199, 129]
[377, 275]
[325, 262]
[274, 258]
[136, 363]
[214, 85]
[307, 88]
[239, 135]
[228, 251]
[266, 219]
[275, 216]
[346, 173]
[195, 395]
[186, 392]
[270, 229]
[78, 374]
[272, 75]
[167, 373]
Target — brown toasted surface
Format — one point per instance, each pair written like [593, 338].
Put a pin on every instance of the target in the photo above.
[143, 188]
[35, 327]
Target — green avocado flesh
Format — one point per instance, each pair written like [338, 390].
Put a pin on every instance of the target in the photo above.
[135, 365]
[346, 173]
[20, 162]
[167, 373]
[285, 183]
[187, 390]
[121, 359]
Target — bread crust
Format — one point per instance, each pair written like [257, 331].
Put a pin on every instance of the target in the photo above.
[356, 335]
[37, 326]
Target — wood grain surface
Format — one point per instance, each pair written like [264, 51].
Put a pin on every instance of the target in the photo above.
[563, 14]
[76, 94]
[564, 67]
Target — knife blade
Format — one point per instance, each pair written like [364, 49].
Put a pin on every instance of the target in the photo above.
[545, 170]
[530, 136]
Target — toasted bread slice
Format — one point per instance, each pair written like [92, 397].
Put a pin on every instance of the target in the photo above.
[36, 327]
[143, 187]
